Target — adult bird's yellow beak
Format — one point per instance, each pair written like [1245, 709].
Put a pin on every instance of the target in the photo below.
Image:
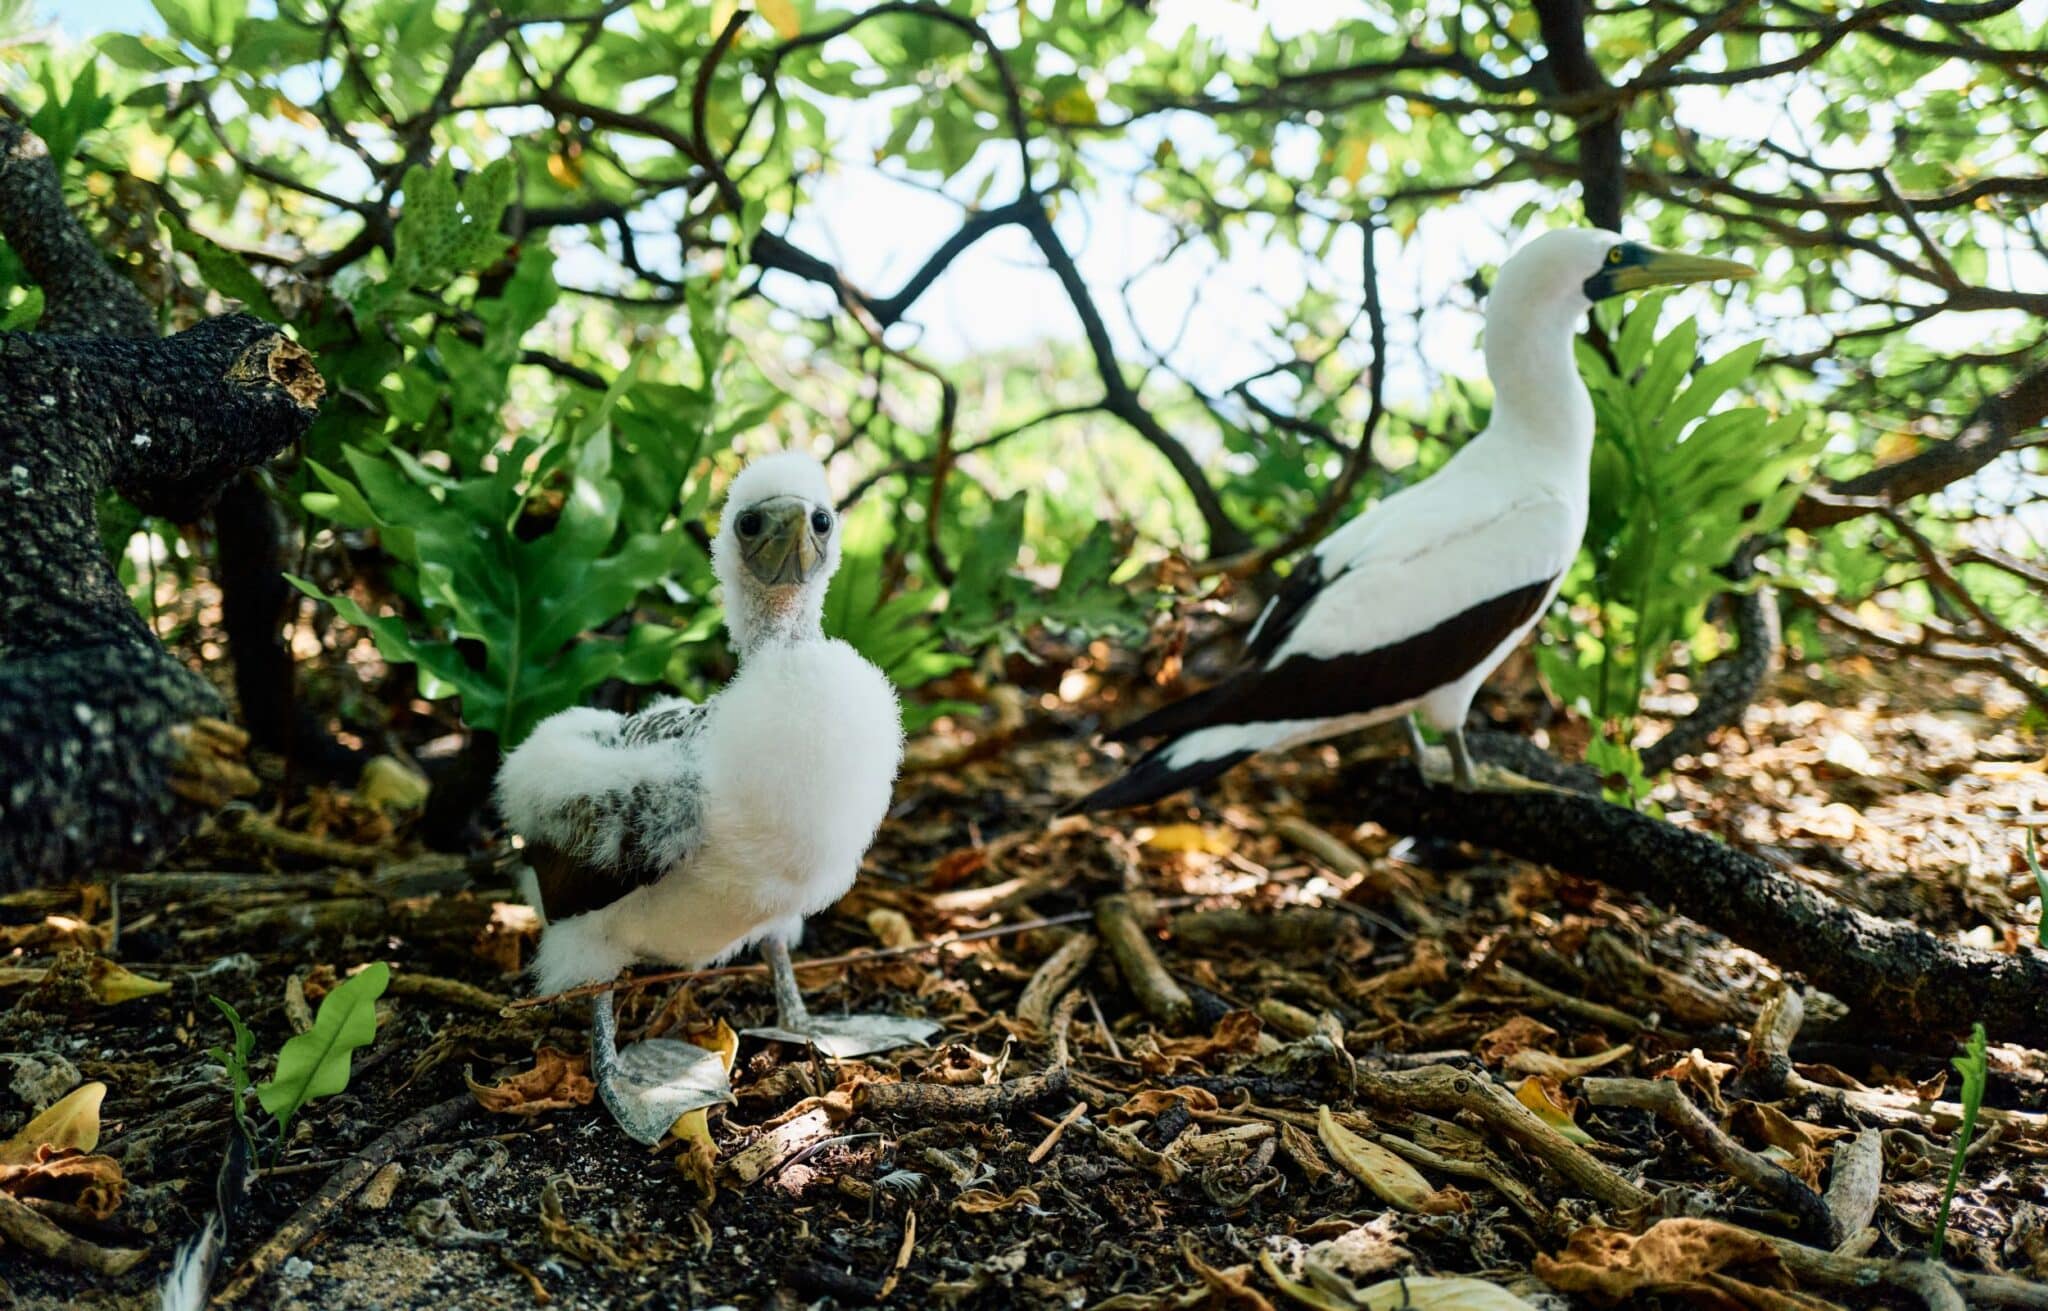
[782, 549]
[1631, 267]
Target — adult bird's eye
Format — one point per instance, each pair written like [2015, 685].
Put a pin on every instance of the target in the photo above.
[1614, 256]
[821, 522]
[749, 523]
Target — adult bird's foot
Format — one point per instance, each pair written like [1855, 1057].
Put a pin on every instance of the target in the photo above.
[1440, 768]
[1499, 778]
[843, 1037]
[653, 1083]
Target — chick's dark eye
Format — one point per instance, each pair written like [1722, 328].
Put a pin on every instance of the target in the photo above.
[821, 522]
[749, 523]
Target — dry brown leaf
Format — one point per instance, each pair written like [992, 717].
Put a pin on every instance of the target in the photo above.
[91, 1183]
[556, 1082]
[1797, 1142]
[1152, 1102]
[1227, 1287]
[1693, 1070]
[73, 1121]
[1674, 1256]
[1235, 1034]
[1519, 1034]
[1391, 1179]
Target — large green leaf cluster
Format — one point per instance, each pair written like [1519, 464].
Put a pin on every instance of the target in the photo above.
[1677, 486]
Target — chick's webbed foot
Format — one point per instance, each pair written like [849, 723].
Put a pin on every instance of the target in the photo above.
[653, 1083]
[838, 1036]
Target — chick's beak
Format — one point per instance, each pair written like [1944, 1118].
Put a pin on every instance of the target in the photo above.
[785, 551]
[1664, 268]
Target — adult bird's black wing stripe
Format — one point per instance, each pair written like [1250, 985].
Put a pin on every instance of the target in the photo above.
[1173, 717]
[1354, 683]
[1282, 613]
[1150, 779]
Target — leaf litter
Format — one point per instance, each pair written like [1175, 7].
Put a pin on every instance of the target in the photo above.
[1375, 1095]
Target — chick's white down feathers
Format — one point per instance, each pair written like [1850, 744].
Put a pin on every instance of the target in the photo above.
[758, 808]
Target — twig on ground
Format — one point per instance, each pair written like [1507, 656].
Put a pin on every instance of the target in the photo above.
[1667, 1101]
[1138, 965]
[308, 1220]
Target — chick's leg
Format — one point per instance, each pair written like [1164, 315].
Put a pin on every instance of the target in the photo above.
[653, 1083]
[840, 1036]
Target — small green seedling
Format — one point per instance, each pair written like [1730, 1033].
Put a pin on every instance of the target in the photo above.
[2041, 882]
[312, 1064]
[237, 1063]
[1974, 1066]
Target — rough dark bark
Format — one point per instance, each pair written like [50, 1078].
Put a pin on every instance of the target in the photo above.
[1994, 428]
[1730, 684]
[98, 747]
[86, 296]
[1891, 973]
[1568, 62]
[255, 601]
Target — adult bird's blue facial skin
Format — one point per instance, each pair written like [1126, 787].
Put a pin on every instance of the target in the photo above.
[783, 539]
[1632, 267]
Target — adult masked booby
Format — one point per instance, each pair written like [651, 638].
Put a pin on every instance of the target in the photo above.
[1406, 609]
[684, 833]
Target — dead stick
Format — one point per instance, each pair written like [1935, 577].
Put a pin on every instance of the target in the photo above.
[340, 1186]
[21, 1226]
[1059, 972]
[1964, 1288]
[1768, 1062]
[940, 1101]
[1668, 1102]
[1853, 1183]
[1116, 919]
[1447, 1091]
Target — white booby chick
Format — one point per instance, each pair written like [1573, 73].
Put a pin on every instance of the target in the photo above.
[1406, 609]
[682, 834]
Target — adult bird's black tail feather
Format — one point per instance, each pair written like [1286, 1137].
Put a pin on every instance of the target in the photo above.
[1171, 719]
[1150, 779]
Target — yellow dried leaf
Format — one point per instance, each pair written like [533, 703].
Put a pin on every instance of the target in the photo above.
[111, 983]
[1391, 1179]
[1564, 1067]
[982, 1201]
[71, 1121]
[694, 1127]
[1547, 1100]
[782, 16]
[1192, 837]
[1438, 1293]
[891, 927]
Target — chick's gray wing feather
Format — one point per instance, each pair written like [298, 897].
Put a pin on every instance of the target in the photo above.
[628, 832]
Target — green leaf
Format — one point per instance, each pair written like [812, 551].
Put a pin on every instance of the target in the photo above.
[1975, 1068]
[316, 1063]
[23, 315]
[132, 52]
[223, 270]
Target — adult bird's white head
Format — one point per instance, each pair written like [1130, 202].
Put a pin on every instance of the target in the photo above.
[776, 550]
[1534, 310]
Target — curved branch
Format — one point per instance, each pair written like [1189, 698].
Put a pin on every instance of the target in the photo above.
[1893, 973]
[1994, 428]
[1356, 459]
[85, 294]
[1729, 684]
